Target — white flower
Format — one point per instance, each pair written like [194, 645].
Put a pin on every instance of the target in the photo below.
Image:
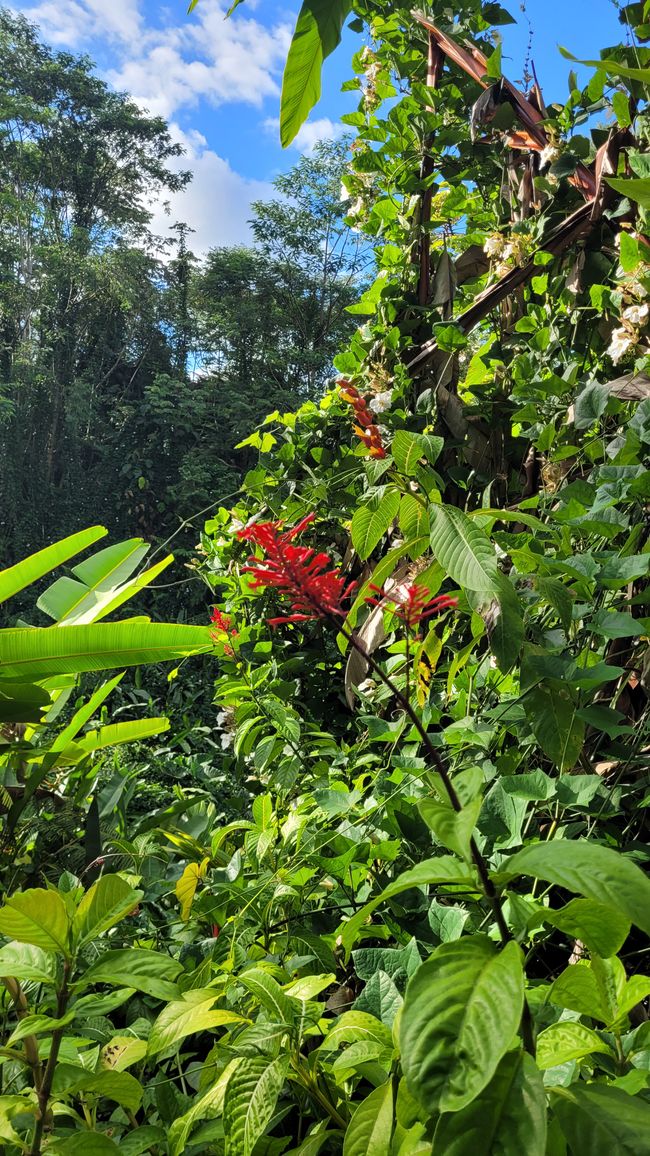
[494, 245]
[620, 344]
[236, 525]
[381, 401]
[227, 740]
[357, 208]
[549, 155]
[636, 314]
[224, 718]
[344, 194]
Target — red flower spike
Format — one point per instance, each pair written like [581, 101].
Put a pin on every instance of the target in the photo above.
[314, 588]
[414, 604]
[223, 623]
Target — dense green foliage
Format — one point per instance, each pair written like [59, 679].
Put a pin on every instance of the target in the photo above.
[399, 904]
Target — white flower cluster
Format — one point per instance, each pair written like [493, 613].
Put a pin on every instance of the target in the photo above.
[626, 337]
[549, 155]
[494, 245]
[226, 721]
[381, 401]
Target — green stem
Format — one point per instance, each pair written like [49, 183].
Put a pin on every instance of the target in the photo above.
[46, 1086]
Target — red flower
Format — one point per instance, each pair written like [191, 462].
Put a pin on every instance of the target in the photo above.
[223, 623]
[414, 604]
[314, 588]
[366, 430]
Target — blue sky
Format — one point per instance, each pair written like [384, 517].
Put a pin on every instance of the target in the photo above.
[218, 83]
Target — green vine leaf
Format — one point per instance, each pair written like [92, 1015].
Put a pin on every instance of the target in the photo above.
[461, 1011]
[317, 34]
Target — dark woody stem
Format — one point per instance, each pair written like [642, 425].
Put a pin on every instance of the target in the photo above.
[487, 886]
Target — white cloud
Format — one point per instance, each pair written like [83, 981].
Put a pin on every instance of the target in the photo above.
[217, 203]
[310, 133]
[74, 23]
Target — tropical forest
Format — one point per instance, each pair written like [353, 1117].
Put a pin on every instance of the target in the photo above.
[325, 578]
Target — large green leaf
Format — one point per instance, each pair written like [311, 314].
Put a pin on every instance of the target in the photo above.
[121, 1087]
[107, 902]
[317, 33]
[463, 550]
[634, 188]
[24, 961]
[124, 732]
[444, 869]
[590, 870]
[206, 1107]
[137, 967]
[602, 929]
[22, 702]
[37, 654]
[250, 1100]
[17, 577]
[566, 1041]
[370, 523]
[508, 1118]
[269, 993]
[407, 448]
[461, 1011]
[39, 917]
[181, 1018]
[103, 583]
[602, 1121]
[370, 1129]
[85, 713]
[553, 715]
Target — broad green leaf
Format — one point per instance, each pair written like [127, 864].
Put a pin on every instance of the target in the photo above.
[577, 988]
[206, 1107]
[24, 961]
[381, 998]
[463, 550]
[137, 967]
[451, 828]
[590, 870]
[356, 1027]
[461, 1011]
[611, 67]
[121, 1052]
[369, 525]
[370, 1129]
[79, 601]
[602, 1121]
[636, 189]
[145, 1139]
[125, 732]
[23, 702]
[316, 35]
[39, 917]
[38, 1025]
[94, 1144]
[445, 869]
[602, 929]
[269, 993]
[11, 1106]
[504, 622]
[407, 448]
[34, 654]
[17, 577]
[508, 1118]
[107, 902]
[554, 720]
[187, 1016]
[249, 1103]
[121, 1087]
[566, 1041]
[85, 712]
[186, 886]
